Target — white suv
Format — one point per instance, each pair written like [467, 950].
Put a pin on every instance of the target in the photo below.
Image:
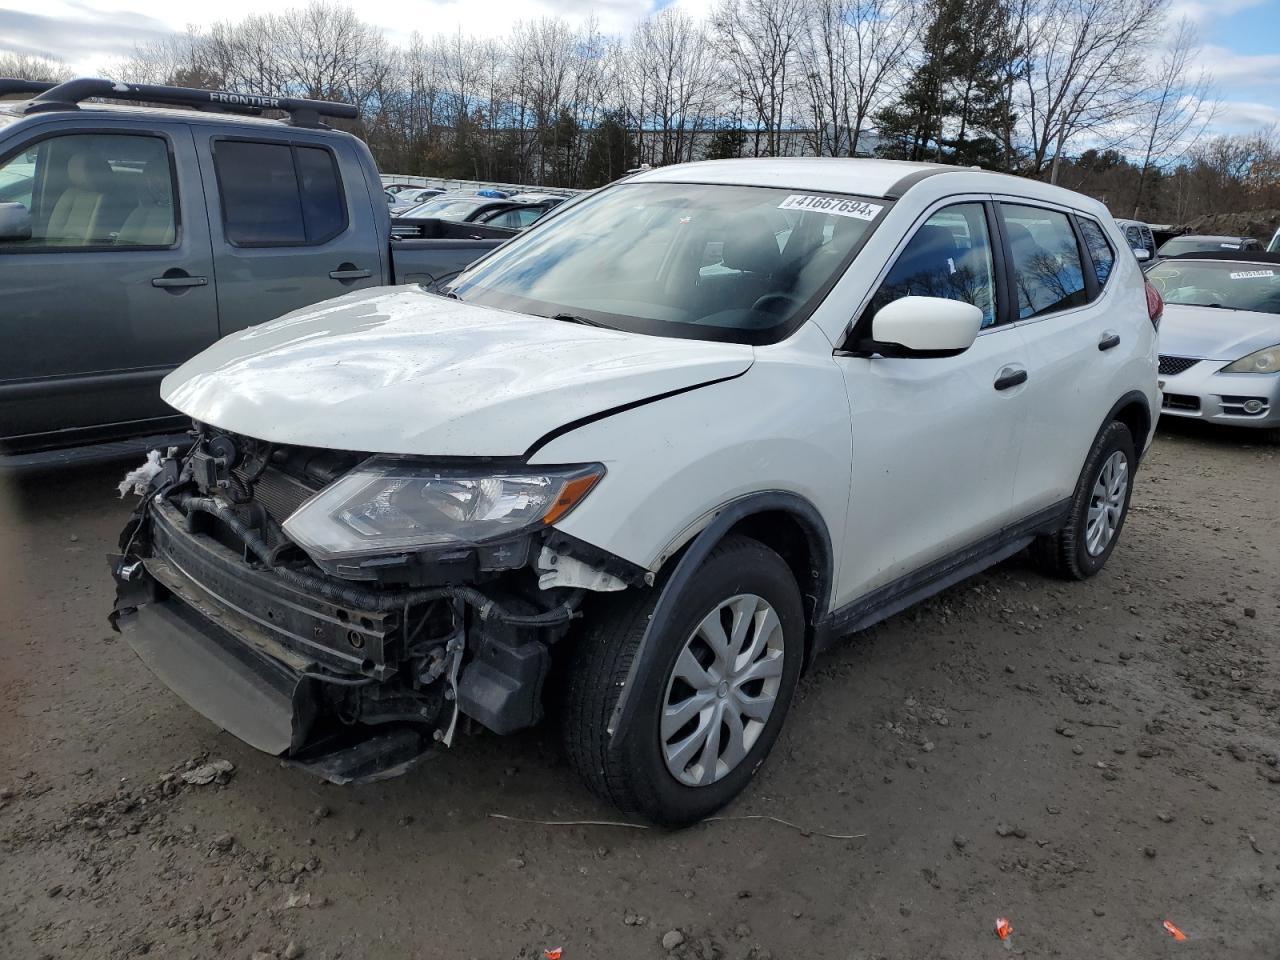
[640, 465]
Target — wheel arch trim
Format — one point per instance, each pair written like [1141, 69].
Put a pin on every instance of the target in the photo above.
[695, 554]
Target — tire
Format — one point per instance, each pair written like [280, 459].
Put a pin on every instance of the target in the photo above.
[1070, 552]
[635, 774]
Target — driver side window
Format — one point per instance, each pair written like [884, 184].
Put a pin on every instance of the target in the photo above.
[93, 190]
[949, 257]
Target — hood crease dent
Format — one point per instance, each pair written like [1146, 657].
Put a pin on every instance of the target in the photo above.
[397, 370]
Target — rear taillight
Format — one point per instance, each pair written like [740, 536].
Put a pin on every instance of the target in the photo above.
[1155, 304]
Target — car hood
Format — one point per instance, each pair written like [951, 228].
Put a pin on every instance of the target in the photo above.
[400, 370]
[1214, 333]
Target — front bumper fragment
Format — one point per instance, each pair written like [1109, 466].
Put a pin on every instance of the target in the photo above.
[245, 692]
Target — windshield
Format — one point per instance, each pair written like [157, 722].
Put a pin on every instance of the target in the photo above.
[1181, 245]
[444, 209]
[1237, 286]
[704, 261]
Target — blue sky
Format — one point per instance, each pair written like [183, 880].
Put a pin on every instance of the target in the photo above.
[1241, 37]
[1242, 50]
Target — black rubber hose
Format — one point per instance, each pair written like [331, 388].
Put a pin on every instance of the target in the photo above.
[352, 596]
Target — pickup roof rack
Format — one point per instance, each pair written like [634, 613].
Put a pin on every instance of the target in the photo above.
[67, 96]
[9, 85]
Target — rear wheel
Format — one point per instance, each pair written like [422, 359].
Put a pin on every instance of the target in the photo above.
[726, 669]
[1098, 509]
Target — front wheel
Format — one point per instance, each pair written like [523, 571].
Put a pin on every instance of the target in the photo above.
[725, 670]
[1099, 507]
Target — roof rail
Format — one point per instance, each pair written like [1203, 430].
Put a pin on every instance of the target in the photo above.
[302, 113]
[10, 85]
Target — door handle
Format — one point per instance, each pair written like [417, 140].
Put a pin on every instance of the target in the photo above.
[349, 273]
[168, 282]
[1109, 339]
[1010, 377]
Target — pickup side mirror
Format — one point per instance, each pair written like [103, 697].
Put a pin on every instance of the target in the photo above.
[15, 222]
[1142, 253]
[925, 327]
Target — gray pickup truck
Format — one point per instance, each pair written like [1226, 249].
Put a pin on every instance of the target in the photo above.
[132, 236]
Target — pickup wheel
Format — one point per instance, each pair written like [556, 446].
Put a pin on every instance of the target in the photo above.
[1098, 509]
[725, 672]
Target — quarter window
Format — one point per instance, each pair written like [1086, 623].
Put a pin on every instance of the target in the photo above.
[277, 194]
[92, 190]
[949, 257]
[1104, 258]
[1047, 271]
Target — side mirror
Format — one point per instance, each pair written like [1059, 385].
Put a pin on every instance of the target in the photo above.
[15, 222]
[925, 327]
[1142, 253]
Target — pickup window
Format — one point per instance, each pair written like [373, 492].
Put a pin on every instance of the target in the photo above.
[278, 194]
[93, 190]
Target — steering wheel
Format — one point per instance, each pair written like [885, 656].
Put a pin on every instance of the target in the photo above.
[783, 299]
[1212, 296]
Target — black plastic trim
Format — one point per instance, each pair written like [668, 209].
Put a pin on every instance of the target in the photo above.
[898, 595]
[694, 556]
[901, 186]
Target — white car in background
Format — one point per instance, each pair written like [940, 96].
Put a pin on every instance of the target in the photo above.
[1220, 342]
[640, 465]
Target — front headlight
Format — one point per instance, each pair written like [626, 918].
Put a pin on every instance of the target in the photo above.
[389, 505]
[1264, 361]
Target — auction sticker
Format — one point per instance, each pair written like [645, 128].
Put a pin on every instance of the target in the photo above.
[838, 206]
[1250, 274]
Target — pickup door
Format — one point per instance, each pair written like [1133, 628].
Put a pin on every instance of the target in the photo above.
[115, 285]
[292, 220]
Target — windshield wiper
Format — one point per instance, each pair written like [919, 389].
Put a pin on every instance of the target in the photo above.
[578, 318]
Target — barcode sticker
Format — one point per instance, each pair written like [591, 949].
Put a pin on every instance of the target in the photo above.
[837, 206]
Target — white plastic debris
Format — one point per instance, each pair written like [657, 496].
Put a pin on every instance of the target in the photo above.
[140, 479]
[207, 773]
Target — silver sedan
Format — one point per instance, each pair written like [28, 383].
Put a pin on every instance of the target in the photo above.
[1220, 338]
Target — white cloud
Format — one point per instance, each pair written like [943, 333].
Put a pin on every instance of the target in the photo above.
[1200, 12]
[90, 33]
[1233, 69]
[1236, 116]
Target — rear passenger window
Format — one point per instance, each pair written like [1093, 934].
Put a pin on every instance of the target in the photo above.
[949, 257]
[275, 194]
[1104, 258]
[1047, 271]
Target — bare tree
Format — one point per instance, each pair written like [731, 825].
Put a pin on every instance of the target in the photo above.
[675, 70]
[1085, 70]
[759, 41]
[852, 52]
[22, 66]
[1178, 108]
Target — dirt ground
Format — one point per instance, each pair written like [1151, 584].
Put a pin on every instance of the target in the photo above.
[1086, 760]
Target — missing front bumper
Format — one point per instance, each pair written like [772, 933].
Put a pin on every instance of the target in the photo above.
[260, 700]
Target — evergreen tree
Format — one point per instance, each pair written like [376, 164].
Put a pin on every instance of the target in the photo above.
[954, 105]
[726, 144]
[609, 153]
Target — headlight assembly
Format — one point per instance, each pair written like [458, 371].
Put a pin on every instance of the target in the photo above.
[390, 505]
[1263, 361]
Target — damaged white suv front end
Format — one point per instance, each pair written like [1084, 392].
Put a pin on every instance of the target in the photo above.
[346, 609]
